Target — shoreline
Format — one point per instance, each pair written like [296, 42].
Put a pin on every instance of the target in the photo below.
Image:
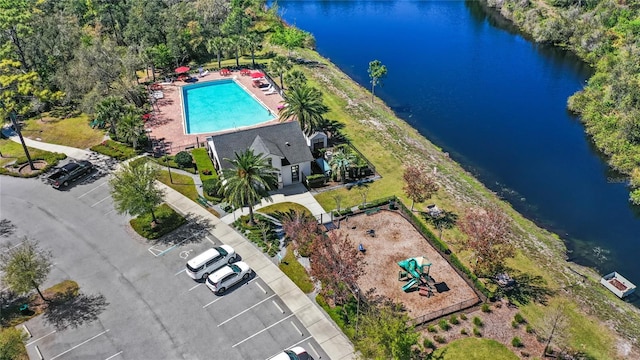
[461, 189]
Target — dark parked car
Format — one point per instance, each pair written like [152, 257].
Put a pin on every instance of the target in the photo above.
[69, 173]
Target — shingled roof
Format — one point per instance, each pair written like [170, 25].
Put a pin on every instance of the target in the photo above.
[285, 140]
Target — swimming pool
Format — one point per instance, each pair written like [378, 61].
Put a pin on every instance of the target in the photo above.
[220, 105]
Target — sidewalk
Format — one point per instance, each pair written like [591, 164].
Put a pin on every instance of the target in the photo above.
[71, 152]
[331, 338]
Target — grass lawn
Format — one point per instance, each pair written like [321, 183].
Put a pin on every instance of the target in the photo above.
[474, 349]
[203, 162]
[181, 183]
[12, 150]
[74, 132]
[295, 271]
[283, 207]
[168, 220]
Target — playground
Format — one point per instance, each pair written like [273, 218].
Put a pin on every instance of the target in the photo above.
[387, 239]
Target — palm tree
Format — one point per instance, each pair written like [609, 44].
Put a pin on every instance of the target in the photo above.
[280, 65]
[340, 162]
[217, 45]
[249, 180]
[304, 103]
[253, 42]
[109, 111]
[130, 128]
[295, 78]
[236, 44]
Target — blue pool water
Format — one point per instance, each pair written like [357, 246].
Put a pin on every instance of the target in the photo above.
[220, 105]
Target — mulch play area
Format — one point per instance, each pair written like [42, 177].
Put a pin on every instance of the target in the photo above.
[388, 238]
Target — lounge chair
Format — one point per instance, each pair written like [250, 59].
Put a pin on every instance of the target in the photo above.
[204, 73]
[158, 94]
[167, 81]
[271, 92]
[267, 88]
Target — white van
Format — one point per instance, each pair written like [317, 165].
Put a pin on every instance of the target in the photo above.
[204, 264]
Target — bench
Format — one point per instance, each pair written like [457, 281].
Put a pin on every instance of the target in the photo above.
[204, 202]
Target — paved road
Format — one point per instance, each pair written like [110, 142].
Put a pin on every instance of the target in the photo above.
[136, 301]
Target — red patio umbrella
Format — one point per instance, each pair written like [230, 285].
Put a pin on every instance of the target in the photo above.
[182, 69]
[257, 75]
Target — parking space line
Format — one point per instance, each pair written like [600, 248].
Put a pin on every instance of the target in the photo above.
[296, 344]
[295, 327]
[180, 272]
[112, 356]
[259, 332]
[176, 245]
[261, 288]
[95, 188]
[40, 338]
[110, 212]
[212, 302]
[211, 241]
[101, 201]
[77, 346]
[195, 287]
[314, 350]
[277, 306]
[245, 310]
[13, 247]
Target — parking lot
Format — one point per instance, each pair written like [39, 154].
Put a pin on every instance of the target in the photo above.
[136, 301]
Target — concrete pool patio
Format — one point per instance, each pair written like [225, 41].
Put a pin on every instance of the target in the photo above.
[168, 121]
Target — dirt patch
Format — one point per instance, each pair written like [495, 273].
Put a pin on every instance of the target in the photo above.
[395, 240]
[37, 164]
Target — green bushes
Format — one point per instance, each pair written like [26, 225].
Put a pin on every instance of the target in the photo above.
[485, 308]
[12, 344]
[516, 342]
[444, 325]
[262, 234]
[477, 322]
[477, 332]
[115, 150]
[428, 344]
[168, 220]
[440, 339]
[317, 180]
[184, 159]
[454, 320]
[376, 203]
[342, 212]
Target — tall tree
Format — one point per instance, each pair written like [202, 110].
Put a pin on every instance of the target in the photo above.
[249, 180]
[340, 162]
[25, 267]
[300, 228]
[253, 41]
[217, 45]
[304, 103]
[295, 78]
[338, 264]
[109, 112]
[130, 128]
[280, 65]
[236, 44]
[134, 190]
[489, 236]
[15, 19]
[376, 71]
[386, 333]
[419, 185]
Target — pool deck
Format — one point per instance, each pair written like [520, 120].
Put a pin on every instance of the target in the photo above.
[168, 123]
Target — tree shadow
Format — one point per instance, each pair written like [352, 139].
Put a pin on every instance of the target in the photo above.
[526, 288]
[187, 233]
[7, 228]
[68, 310]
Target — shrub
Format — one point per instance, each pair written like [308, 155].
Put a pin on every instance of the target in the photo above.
[316, 180]
[478, 322]
[12, 344]
[477, 332]
[168, 220]
[440, 339]
[529, 329]
[516, 342]
[514, 324]
[115, 150]
[211, 187]
[463, 331]
[463, 316]
[432, 329]
[454, 320]
[519, 319]
[444, 325]
[184, 159]
[428, 344]
[485, 308]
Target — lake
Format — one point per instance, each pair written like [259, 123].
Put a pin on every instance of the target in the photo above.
[496, 102]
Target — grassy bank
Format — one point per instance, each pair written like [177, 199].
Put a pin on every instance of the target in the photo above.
[390, 143]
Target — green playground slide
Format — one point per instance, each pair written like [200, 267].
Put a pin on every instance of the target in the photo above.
[411, 266]
[409, 285]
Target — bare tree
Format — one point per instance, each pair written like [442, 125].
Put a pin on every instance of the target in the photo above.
[419, 184]
[488, 233]
[553, 327]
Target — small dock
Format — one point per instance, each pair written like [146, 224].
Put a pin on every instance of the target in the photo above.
[618, 284]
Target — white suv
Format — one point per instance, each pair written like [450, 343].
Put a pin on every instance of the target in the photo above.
[228, 276]
[296, 353]
[204, 264]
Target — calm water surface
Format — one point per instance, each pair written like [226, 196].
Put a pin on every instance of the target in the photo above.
[496, 102]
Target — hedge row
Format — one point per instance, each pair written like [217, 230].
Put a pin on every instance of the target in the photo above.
[115, 150]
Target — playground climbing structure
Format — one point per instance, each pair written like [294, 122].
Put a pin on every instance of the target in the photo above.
[415, 271]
